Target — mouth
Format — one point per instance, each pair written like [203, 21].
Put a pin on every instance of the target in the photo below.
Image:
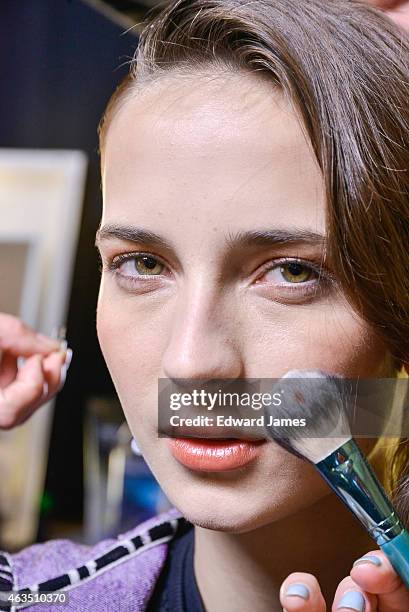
[212, 432]
[216, 454]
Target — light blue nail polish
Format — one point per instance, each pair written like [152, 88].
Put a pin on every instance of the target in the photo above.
[300, 590]
[353, 600]
[369, 559]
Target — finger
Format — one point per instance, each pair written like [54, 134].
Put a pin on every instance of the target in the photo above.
[401, 17]
[55, 368]
[349, 596]
[18, 339]
[300, 592]
[23, 394]
[386, 4]
[374, 573]
[8, 369]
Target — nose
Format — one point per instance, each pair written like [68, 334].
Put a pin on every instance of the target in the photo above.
[202, 343]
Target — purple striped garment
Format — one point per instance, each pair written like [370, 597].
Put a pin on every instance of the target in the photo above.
[115, 574]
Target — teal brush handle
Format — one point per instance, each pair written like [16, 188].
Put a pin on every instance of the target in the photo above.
[351, 477]
[397, 551]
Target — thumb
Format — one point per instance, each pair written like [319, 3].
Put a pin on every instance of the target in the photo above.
[374, 573]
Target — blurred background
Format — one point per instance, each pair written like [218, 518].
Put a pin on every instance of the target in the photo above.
[69, 471]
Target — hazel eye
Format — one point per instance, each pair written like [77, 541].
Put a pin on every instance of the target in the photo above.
[295, 281]
[138, 273]
[295, 272]
[146, 265]
[134, 266]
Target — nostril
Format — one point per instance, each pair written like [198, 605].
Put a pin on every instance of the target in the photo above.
[205, 363]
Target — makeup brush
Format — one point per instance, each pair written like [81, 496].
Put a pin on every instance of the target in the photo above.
[327, 443]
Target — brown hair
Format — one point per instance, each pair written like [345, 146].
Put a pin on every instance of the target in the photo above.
[345, 68]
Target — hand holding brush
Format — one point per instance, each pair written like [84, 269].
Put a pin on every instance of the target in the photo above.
[328, 444]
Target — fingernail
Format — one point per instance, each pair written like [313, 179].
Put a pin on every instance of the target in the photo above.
[353, 600]
[300, 590]
[374, 559]
[68, 358]
[65, 366]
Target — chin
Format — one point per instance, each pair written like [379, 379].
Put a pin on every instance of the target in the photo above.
[227, 509]
[220, 519]
[239, 500]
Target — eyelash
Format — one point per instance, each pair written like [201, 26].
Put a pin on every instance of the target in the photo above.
[114, 264]
[324, 278]
[118, 260]
[311, 267]
[323, 282]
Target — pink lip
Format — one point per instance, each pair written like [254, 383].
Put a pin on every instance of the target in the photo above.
[214, 455]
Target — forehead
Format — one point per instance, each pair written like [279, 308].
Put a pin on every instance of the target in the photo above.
[229, 145]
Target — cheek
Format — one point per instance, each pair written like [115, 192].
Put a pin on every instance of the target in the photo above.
[344, 343]
[352, 350]
[329, 337]
[131, 348]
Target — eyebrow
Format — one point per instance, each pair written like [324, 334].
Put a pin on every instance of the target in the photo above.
[240, 239]
[130, 234]
[271, 237]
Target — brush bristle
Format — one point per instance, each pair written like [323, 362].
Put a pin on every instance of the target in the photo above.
[316, 397]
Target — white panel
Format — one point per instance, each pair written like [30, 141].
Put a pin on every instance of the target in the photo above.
[41, 195]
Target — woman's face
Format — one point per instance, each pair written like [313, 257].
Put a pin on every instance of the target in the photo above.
[193, 168]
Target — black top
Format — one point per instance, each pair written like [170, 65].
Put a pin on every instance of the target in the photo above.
[176, 589]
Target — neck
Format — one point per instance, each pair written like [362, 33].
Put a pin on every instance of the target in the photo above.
[245, 571]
